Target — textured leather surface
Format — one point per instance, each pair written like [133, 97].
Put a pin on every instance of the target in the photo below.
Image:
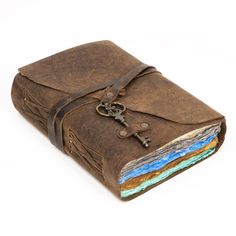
[91, 139]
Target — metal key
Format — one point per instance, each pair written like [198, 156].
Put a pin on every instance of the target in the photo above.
[115, 110]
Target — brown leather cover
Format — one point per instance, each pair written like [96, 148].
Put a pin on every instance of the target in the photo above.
[59, 95]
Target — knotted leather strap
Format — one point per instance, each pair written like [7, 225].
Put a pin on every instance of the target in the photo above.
[72, 102]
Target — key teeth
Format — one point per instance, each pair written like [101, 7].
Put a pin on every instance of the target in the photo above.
[146, 141]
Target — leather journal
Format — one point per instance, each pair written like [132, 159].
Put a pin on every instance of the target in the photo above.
[119, 118]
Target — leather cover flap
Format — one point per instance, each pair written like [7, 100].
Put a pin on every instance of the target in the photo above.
[156, 95]
[81, 67]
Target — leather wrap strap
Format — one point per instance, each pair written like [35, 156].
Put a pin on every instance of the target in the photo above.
[72, 102]
[112, 92]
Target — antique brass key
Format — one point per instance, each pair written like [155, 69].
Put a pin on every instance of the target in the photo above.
[116, 110]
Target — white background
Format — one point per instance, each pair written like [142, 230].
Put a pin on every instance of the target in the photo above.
[44, 192]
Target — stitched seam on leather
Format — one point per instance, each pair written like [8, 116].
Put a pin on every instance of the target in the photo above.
[37, 116]
[94, 163]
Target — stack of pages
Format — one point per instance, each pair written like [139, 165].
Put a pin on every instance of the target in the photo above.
[181, 153]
